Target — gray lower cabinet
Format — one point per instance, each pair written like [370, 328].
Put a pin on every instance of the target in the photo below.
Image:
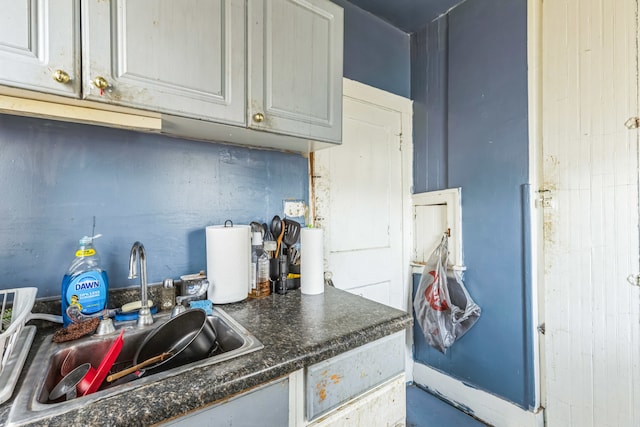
[265, 406]
[342, 378]
[364, 386]
[40, 46]
[180, 57]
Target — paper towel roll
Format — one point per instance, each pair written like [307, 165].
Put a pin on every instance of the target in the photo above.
[228, 262]
[311, 261]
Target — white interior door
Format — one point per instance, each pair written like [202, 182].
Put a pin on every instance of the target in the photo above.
[360, 194]
[590, 177]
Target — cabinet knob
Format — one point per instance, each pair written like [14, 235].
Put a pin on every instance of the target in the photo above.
[258, 117]
[101, 83]
[61, 76]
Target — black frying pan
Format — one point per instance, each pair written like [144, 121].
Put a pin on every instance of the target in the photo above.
[189, 337]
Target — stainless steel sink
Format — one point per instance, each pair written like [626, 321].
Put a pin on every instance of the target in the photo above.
[32, 400]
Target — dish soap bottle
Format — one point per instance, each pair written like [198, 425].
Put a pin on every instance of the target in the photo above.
[85, 286]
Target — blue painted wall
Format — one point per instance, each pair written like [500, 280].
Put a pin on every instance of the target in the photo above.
[467, 75]
[55, 176]
[375, 52]
[469, 72]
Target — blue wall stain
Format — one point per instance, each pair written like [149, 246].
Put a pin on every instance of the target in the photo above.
[486, 153]
[162, 191]
[375, 52]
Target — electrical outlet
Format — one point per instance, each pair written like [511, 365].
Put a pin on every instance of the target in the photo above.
[294, 208]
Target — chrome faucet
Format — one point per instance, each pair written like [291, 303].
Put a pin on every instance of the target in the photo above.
[138, 254]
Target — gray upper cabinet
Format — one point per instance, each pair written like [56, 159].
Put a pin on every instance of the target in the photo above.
[295, 68]
[179, 57]
[216, 70]
[40, 45]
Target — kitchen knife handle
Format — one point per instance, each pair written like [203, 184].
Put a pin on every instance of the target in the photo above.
[118, 375]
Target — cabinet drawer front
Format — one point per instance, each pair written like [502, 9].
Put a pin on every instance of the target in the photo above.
[385, 405]
[265, 406]
[341, 378]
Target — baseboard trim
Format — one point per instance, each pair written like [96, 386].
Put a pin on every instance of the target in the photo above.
[477, 403]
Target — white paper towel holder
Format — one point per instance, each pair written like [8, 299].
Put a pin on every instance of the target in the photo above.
[228, 262]
[311, 261]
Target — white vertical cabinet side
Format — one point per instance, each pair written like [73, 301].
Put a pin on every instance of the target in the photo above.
[36, 39]
[589, 90]
[185, 58]
[295, 68]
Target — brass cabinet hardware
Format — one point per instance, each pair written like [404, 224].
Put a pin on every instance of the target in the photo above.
[61, 76]
[101, 83]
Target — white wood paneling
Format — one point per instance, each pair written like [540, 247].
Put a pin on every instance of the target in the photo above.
[590, 167]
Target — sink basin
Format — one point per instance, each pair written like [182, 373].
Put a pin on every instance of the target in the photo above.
[49, 364]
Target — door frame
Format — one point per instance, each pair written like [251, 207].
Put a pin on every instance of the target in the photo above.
[536, 196]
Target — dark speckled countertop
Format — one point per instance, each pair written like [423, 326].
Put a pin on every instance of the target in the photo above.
[296, 331]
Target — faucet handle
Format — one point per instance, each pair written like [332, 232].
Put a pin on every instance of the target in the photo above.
[105, 326]
[177, 309]
[204, 285]
[144, 317]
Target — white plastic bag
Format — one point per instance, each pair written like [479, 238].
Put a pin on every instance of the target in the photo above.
[444, 309]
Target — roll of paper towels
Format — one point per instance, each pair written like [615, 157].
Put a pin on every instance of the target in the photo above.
[311, 261]
[228, 262]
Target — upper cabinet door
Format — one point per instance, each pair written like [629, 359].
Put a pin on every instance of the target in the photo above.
[295, 66]
[179, 57]
[39, 45]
